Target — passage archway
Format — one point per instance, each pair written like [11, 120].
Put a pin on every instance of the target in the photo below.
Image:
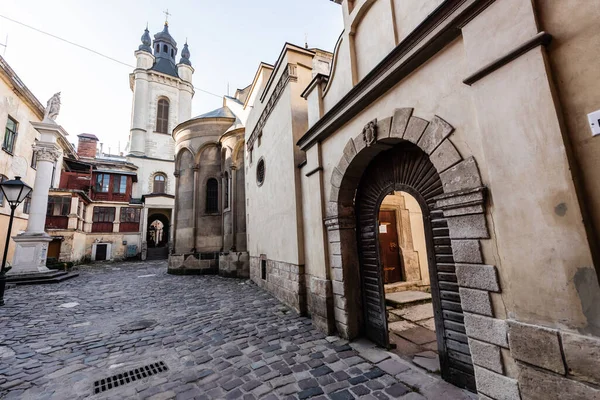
[158, 231]
[412, 155]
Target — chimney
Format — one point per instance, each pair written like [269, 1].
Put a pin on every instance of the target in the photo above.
[86, 145]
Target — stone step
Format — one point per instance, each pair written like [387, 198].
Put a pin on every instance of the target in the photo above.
[407, 298]
[42, 278]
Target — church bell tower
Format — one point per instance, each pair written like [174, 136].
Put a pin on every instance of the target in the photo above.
[162, 95]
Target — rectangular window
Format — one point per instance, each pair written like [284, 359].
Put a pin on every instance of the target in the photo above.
[102, 183]
[10, 135]
[130, 214]
[104, 214]
[119, 184]
[58, 206]
[263, 269]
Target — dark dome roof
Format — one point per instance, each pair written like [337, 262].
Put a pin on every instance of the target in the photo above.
[165, 36]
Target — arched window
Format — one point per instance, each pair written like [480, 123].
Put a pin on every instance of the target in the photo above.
[160, 183]
[165, 49]
[162, 116]
[157, 48]
[226, 190]
[212, 196]
[172, 53]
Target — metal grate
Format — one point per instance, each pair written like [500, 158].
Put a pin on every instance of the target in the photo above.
[129, 376]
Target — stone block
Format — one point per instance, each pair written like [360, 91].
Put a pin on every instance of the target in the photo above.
[467, 251]
[545, 385]
[383, 128]
[582, 355]
[496, 386]
[415, 128]
[478, 276]
[468, 227]
[349, 150]
[486, 355]
[336, 178]
[468, 210]
[535, 345]
[400, 121]
[320, 287]
[359, 142]
[445, 156]
[436, 132]
[464, 175]
[491, 330]
[343, 165]
[338, 287]
[476, 301]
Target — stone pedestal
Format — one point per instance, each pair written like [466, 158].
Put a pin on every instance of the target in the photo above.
[30, 254]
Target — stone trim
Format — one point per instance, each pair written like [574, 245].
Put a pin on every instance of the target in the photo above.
[496, 386]
[541, 39]
[463, 206]
[439, 29]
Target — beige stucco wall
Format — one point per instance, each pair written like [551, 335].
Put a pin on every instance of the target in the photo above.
[18, 163]
[577, 85]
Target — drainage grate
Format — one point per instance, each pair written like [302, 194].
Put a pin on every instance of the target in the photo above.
[129, 376]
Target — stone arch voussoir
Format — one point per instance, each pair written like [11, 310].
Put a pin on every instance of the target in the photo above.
[463, 206]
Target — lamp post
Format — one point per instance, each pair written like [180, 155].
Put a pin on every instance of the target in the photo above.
[15, 191]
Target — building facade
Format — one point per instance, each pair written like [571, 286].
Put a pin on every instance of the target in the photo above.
[473, 112]
[162, 98]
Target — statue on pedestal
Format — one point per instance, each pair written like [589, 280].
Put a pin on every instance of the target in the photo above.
[52, 107]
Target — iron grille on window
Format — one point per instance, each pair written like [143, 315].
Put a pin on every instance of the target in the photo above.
[104, 214]
[212, 196]
[10, 135]
[58, 206]
[159, 183]
[162, 116]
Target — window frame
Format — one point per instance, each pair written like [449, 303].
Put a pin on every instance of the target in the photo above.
[105, 212]
[13, 135]
[63, 206]
[119, 184]
[27, 204]
[124, 218]
[163, 107]
[106, 177]
[212, 196]
[2, 179]
[163, 182]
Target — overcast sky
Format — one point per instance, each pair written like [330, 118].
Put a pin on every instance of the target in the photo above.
[227, 40]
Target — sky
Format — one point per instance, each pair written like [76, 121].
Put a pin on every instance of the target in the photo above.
[227, 41]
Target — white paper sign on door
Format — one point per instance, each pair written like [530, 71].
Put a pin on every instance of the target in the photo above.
[382, 228]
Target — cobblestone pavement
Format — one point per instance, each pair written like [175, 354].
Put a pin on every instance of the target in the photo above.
[220, 339]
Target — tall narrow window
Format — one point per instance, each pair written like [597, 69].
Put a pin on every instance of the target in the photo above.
[159, 183]
[27, 204]
[10, 135]
[162, 116]
[102, 183]
[226, 190]
[34, 160]
[212, 196]
[119, 184]
[2, 179]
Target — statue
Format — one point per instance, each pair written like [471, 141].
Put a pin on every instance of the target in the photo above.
[52, 107]
[370, 133]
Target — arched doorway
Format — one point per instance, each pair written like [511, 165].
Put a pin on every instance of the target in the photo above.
[157, 234]
[406, 168]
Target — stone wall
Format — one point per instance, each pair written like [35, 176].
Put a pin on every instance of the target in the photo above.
[234, 264]
[284, 280]
[555, 364]
[193, 264]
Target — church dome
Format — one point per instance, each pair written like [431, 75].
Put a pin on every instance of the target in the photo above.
[185, 55]
[165, 36]
[165, 51]
[146, 42]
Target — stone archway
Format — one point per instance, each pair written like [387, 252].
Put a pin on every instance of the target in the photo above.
[158, 230]
[456, 197]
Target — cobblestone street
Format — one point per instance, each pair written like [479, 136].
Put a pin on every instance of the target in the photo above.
[219, 338]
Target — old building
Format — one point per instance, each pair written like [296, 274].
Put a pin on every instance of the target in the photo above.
[473, 115]
[210, 223]
[162, 98]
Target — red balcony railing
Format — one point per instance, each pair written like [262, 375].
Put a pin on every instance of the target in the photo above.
[57, 222]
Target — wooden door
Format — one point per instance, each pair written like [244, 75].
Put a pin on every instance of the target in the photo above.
[407, 168]
[101, 252]
[389, 248]
[54, 249]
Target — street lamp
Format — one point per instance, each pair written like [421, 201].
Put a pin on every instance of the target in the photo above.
[15, 192]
